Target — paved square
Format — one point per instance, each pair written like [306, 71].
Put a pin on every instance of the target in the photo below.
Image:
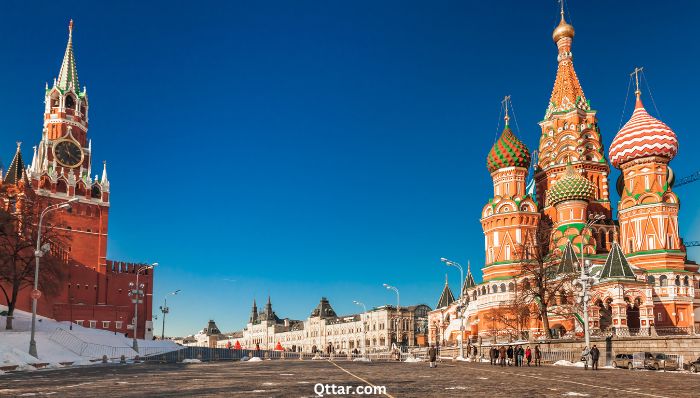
[292, 378]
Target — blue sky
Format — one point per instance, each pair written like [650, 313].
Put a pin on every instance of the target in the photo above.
[321, 148]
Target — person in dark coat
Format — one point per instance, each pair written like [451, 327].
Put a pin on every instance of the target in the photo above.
[538, 356]
[595, 355]
[492, 355]
[509, 352]
[432, 356]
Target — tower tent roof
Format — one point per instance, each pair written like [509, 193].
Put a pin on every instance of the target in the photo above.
[68, 75]
[569, 263]
[15, 173]
[446, 298]
[567, 93]
[616, 265]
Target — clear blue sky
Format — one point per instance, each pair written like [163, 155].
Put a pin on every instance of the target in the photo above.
[321, 148]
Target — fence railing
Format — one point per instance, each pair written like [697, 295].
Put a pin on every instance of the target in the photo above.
[207, 354]
[85, 349]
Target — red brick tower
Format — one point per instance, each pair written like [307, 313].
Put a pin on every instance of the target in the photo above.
[96, 293]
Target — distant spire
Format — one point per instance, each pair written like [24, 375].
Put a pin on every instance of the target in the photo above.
[15, 173]
[68, 75]
[104, 180]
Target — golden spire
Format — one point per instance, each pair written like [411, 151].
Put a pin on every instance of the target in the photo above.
[563, 29]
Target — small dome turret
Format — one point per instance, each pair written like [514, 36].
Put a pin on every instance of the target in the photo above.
[573, 186]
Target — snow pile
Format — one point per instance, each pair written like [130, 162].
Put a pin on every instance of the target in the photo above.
[191, 361]
[360, 359]
[563, 362]
[57, 344]
[255, 359]
[413, 360]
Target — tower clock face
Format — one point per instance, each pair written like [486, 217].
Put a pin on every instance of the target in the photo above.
[68, 153]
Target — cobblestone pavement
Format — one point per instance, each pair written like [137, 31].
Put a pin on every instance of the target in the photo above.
[298, 379]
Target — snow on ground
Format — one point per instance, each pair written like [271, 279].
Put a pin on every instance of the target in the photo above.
[413, 360]
[255, 359]
[360, 359]
[191, 361]
[14, 344]
[564, 362]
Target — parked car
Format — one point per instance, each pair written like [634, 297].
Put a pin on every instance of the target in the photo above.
[656, 361]
[694, 366]
[623, 361]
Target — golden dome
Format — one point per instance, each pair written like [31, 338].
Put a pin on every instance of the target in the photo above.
[563, 30]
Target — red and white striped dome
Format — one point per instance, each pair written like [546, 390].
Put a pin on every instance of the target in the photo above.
[643, 135]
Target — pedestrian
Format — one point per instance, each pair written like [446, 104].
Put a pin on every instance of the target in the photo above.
[509, 352]
[502, 355]
[474, 351]
[538, 356]
[585, 357]
[492, 356]
[432, 356]
[528, 355]
[595, 355]
[521, 355]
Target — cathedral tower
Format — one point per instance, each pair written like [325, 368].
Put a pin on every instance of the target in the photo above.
[510, 218]
[571, 142]
[648, 208]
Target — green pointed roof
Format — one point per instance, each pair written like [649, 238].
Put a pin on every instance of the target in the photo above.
[69, 71]
[446, 298]
[616, 265]
[569, 262]
[508, 151]
[15, 173]
[572, 186]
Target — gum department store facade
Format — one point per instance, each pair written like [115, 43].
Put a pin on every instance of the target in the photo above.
[645, 281]
[383, 325]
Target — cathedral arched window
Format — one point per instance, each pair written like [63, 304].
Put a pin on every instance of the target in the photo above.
[663, 280]
[678, 280]
[686, 281]
[503, 287]
[70, 102]
[651, 280]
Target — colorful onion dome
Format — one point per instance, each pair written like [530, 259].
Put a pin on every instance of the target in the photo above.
[508, 151]
[573, 186]
[563, 29]
[642, 136]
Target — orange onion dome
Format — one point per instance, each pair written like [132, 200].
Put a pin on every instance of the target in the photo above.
[642, 136]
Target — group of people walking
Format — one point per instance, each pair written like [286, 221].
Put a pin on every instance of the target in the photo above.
[514, 356]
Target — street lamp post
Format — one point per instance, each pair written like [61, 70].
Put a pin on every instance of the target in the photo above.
[586, 281]
[364, 330]
[38, 253]
[165, 310]
[398, 310]
[137, 292]
[462, 305]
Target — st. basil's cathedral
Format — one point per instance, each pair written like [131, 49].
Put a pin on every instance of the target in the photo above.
[644, 282]
[96, 292]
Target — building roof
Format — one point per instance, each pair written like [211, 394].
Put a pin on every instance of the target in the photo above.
[15, 173]
[211, 328]
[567, 93]
[616, 265]
[446, 298]
[642, 136]
[324, 310]
[68, 75]
[569, 262]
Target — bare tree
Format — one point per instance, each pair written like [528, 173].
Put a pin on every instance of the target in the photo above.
[543, 280]
[512, 316]
[19, 215]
